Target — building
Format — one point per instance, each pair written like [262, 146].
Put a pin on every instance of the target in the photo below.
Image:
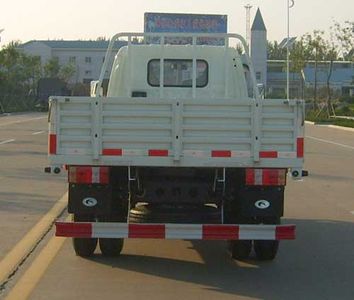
[259, 48]
[341, 81]
[272, 73]
[86, 56]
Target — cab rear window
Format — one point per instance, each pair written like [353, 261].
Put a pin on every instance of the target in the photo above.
[177, 73]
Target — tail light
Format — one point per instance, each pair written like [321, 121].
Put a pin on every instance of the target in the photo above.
[266, 177]
[88, 175]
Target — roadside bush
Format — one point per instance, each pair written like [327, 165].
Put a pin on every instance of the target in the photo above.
[347, 99]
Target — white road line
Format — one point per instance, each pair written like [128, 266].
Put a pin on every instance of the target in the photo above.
[22, 121]
[7, 141]
[38, 132]
[329, 142]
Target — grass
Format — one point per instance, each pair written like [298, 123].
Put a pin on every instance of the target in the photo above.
[323, 119]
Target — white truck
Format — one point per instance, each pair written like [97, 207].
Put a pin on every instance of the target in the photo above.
[179, 148]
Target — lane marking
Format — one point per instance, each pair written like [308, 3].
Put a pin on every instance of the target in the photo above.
[32, 276]
[329, 142]
[7, 141]
[22, 121]
[38, 132]
[18, 253]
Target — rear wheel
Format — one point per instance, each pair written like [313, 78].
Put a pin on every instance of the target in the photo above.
[111, 247]
[240, 249]
[84, 247]
[267, 249]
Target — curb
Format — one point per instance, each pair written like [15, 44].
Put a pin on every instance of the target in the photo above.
[12, 260]
[331, 126]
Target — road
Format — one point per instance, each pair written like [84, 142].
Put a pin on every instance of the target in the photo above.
[319, 264]
[27, 193]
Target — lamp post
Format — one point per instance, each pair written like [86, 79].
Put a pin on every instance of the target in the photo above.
[290, 4]
[1, 30]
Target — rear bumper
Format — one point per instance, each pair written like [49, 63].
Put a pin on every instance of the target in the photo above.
[175, 231]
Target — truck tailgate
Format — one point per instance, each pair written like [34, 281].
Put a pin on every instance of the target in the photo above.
[181, 132]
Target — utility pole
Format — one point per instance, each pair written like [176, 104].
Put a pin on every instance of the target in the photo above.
[248, 24]
[288, 49]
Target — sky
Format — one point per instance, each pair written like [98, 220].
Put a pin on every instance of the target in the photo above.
[73, 19]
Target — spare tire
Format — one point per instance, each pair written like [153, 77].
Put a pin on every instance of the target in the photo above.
[172, 213]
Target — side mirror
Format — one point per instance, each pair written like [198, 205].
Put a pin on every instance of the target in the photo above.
[93, 89]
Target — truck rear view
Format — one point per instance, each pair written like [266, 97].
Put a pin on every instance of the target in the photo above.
[182, 147]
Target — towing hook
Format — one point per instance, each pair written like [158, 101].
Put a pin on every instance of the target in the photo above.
[49, 170]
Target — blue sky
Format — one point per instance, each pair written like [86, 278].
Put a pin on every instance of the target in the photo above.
[73, 19]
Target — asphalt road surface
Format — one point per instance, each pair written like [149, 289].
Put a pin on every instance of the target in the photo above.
[319, 264]
[26, 192]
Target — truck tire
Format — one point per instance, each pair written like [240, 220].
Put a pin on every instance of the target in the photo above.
[84, 247]
[240, 249]
[267, 249]
[111, 247]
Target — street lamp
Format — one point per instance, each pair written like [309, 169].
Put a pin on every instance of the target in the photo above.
[290, 4]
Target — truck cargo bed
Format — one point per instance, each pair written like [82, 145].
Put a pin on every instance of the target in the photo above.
[124, 131]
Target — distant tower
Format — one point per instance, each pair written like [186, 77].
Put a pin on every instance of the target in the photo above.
[259, 48]
[248, 23]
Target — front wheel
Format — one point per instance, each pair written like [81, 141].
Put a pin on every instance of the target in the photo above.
[84, 247]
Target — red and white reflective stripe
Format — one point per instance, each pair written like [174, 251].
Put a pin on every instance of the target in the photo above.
[112, 152]
[268, 154]
[158, 152]
[300, 147]
[206, 154]
[220, 153]
[52, 143]
[266, 177]
[132, 152]
[88, 175]
[216, 153]
[176, 231]
[286, 154]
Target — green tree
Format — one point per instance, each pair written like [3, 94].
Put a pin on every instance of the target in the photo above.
[344, 36]
[51, 68]
[330, 55]
[316, 46]
[19, 74]
[66, 72]
[275, 52]
[298, 58]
